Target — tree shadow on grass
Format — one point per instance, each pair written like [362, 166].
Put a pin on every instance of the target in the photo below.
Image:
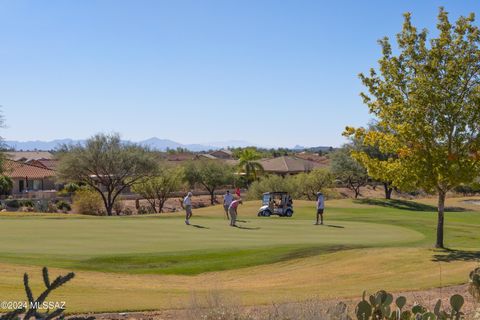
[407, 205]
[449, 255]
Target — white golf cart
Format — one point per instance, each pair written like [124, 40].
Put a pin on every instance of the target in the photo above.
[279, 203]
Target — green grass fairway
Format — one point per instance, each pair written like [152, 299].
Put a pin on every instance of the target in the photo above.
[158, 257]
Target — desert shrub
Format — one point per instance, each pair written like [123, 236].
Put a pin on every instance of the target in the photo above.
[144, 210]
[63, 193]
[215, 306]
[63, 206]
[86, 201]
[127, 211]
[468, 189]
[474, 284]
[118, 207]
[41, 206]
[44, 205]
[71, 187]
[308, 184]
[270, 184]
[26, 203]
[6, 185]
[12, 203]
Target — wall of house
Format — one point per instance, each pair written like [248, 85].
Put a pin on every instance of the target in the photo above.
[35, 184]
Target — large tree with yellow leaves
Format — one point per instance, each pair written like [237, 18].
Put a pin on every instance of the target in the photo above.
[426, 100]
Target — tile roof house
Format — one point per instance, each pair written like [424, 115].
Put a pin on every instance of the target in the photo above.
[178, 157]
[29, 155]
[28, 177]
[287, 165]
[45, 163]
[224, 154]
[313, 157]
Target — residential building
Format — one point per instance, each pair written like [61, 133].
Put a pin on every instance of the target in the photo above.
[25, 156]
[288, 165]
[223, 154]
[28, 177]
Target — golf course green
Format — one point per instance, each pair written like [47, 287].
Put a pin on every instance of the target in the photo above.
[157, 256]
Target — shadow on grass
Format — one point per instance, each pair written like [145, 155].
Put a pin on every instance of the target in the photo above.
[334, 226]
[199, 226]
[407, 205]
[449, 255]
[247, 228]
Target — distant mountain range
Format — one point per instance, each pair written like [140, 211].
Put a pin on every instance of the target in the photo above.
[153, 143]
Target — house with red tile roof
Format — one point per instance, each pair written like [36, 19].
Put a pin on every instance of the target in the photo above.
[44, 163]
[289, 165]
[28, 177]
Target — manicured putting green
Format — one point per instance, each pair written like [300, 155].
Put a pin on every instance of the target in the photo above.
[158, 245]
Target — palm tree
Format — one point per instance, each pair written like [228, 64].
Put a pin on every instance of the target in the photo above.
[248, 164]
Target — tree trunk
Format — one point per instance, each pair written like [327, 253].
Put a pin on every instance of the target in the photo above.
[357, 192]
[441, 209]
[109, 204]
[109, 209]
[388, 190]
[161, 203]
[212, 197]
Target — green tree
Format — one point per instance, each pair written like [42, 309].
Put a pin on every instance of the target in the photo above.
[426, 98]
[271, 183]
[248, 164]
[372, 151]
[6, 185]
[159, 187]
[106, 165]
[348, 170]
[211, 174]
[308, 184]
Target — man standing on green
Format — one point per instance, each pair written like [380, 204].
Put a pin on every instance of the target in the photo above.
[187, 204]
[232, 210]
[227, 200]
[320, 207]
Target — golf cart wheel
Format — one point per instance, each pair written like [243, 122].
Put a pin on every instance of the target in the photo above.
[289, 213]
[266, 213]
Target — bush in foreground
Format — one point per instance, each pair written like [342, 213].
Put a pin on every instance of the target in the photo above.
[87, 201]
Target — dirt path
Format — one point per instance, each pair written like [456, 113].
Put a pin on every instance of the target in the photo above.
[426, 298]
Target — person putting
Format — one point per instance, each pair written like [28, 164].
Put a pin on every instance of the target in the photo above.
[320, 207]
[227, 200]
[187, 204]
[232, 210]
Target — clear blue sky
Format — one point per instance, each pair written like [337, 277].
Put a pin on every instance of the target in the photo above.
[269, 72]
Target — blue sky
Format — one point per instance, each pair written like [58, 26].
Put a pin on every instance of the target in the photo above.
[270, 72]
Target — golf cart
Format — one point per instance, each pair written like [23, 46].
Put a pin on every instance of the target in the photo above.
[279, 203]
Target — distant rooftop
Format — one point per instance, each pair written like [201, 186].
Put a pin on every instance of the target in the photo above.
[29, 155]
[289, 164]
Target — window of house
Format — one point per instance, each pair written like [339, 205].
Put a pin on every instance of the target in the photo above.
[37, 184]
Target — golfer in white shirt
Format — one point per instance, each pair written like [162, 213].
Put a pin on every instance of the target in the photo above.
[227, 200]
[187, 204]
